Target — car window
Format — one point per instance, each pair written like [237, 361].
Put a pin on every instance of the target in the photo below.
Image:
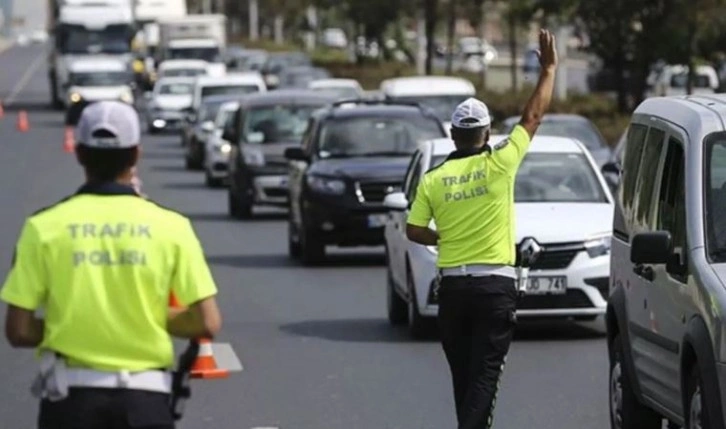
[715, 195]
[176, 89]
[209, 111]
[413, 167]
[681, 81]
[441, 105]
[557, 177]
[583, 131]
[437, 160]
[631, 161]
[183, 72]
[208, 91]
[646, 176]
[371, 136]
[671, 198]
[276, 124]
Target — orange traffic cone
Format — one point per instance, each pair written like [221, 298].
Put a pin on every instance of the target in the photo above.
[173, 302]
[68, 140]
[23, 125]
[206, 366]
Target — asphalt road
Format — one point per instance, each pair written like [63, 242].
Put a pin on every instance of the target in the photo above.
[315, 344]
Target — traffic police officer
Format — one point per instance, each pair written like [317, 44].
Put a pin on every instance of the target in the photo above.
[470, 197]
[101, 264]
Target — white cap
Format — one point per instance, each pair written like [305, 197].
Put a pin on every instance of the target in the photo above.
[117, 118]
[471, 113]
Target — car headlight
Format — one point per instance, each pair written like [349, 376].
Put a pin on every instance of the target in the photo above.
[326, 185]
[224, 148]
[75, 97]
[598, 245]
[253, 158]
[126, 97]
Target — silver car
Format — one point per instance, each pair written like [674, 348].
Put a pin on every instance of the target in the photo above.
[167, 104]
[667, 301]
[216, 160]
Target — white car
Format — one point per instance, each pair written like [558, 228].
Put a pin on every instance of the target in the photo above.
[339, 88]
[230, 84]
[216, 160]
[561, 200]
[182, 68]
[99, 79]
[441, 94]
[167, 103]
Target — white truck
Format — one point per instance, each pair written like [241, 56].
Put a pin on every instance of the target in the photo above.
[148, 13]
[200, 37]
[81, 28]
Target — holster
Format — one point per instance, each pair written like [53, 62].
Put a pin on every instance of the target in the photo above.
[181, 380]
[51, 383]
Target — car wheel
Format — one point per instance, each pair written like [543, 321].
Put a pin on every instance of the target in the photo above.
[697, 415]
[626, 411]
[397, 308]
[293, 243]
[419, 326]
[312, 249]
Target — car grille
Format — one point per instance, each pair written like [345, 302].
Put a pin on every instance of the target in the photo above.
[375, 192]
[556, 256]
[574, 298]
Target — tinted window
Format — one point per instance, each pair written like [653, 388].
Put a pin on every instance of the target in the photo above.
[583, 131]
[410, 182]
[672, 197]
[176, 89]
[441, 105]
[277, 124]
[699, 81]
[209, 111]
[205, 54]
[715, 190]
[367, 136]
[631, 162]
[101, 79]
[183, 72]
[647, 175]
[208, 91]
[557, 177]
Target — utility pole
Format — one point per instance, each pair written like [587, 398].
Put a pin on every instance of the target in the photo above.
[254, 20]
[421, 38]
[563, 33]
[483, 34]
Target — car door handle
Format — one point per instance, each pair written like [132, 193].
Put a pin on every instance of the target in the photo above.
[645, 272]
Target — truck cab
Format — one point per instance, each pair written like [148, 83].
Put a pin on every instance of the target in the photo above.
[82, 28]
[199, 37]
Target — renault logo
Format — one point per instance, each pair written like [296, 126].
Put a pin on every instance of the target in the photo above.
[390, 189]
[529, 250]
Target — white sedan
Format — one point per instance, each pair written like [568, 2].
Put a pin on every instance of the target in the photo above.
[216, 160]
[561, 200]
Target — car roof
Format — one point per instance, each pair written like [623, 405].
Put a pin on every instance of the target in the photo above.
[699, 115]
[540, 144]
[173, 64]
[98, 64]
[334, 83]
[280, 96]
[175, 79]
[427, 85]
[362, 110]
[221, 98]
[551, 117]
[230, 78]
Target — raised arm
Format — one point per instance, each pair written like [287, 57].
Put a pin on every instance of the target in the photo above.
[542, 96]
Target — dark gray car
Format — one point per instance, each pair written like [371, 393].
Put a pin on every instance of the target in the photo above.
[266, 125]
[573, 126]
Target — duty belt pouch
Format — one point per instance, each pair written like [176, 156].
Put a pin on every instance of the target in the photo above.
[51, 383]
[181, 380]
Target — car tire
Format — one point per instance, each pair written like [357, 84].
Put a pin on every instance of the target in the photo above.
[697, 414]
[419, 326]
[312, 249]
[293, 246]
[212, 182]
[396, 306]
[237, 209]
[626, 411]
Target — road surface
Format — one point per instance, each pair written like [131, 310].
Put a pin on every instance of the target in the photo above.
[316, 347]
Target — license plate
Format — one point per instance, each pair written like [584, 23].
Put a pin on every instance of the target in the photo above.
[377, 220]
[547, 285]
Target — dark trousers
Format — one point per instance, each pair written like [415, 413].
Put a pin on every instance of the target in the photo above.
[476, 320]
[87, 408]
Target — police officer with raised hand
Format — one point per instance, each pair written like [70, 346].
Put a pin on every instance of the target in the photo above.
[101, 264]
[470, 198]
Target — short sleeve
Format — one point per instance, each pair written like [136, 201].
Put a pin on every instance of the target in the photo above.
[192, 280]
[26, 285]
[421, 212]
[509, 153]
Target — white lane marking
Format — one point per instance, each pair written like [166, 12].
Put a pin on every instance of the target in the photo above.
[25, 79]
[266, 427]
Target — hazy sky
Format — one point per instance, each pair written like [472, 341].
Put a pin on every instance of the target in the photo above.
[32, 11]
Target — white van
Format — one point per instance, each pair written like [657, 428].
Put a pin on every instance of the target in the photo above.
[230, 84]
[99, 79]
[439, 93]
[672, 80]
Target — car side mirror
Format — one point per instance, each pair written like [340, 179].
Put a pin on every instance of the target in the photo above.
[651, 248]
[611, 168]
[230, 135]
[396, 201]
[296, 154]
[208, 127]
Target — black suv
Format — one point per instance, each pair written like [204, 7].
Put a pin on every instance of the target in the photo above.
[265, 125]
[353, 154]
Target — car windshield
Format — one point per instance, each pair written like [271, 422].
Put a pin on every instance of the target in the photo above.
[209, 111]
[553, 178]
[581, 130]
[101, 79]
[716, 195]
[302, 78]
[681, 81]
[372, 136]
[277, 124]
[114, 39]
[209, 91]
[176, 89]
[204, 54]
[441, 105]
[341, 93]
[224, 117]
[193, 72]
